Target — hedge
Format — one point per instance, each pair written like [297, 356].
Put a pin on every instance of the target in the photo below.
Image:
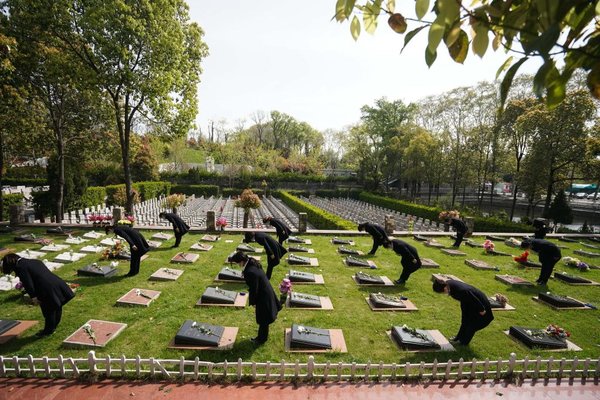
[93, 196]
[7, 201]
[24, 181]
[226, 192]
[197, 190]
[321, 219]
[150, 190]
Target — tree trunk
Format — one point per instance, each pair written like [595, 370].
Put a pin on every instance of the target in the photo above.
[246, 217]
[549, 190]
[60, 195]
[514, 202]
[124, 127]
[1, 174]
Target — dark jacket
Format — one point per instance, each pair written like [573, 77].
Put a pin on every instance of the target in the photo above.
[261, 293]
[134, 238]
[39, 282]
[272, 247]
[282, 230]
[459, 225]
[179, 226]
[406, 251]
[376, 231]
[472, 301]
[545, 249]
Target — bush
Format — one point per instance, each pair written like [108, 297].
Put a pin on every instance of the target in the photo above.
[226, 192]
[7, 201]
[24, 181]
[116, 196]
[197, 190]
[321, 219]
[93, 196]
[27, 172]
[150, 190]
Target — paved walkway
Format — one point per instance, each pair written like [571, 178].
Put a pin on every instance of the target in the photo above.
[59, 389]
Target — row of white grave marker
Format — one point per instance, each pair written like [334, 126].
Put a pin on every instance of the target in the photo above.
[282, 371]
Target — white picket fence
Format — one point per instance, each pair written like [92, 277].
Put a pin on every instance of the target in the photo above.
[280, 371]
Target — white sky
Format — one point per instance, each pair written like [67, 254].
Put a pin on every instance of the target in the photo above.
[291, 57]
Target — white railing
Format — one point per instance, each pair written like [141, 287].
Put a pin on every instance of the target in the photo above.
[280, 371]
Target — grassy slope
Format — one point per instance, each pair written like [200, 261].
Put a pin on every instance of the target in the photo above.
[150, 329]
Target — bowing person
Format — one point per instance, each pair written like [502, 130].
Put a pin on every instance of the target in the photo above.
[283, 232]
[261, 294]
[274, 250]
[461, 229]
[137, 244]
[540, 228]
[410, 258]
[377, 233]
[476, 311]
[44, 288]
[180, 228]
[549, 254]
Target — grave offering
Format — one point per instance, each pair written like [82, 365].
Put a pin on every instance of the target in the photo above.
[210, 238]
[166, 274]
[512, 242]
[31, 237]
[246, 248]
[216, 295]
[154, 244]
[92, 249]
[566, 239]
[304, 277]
[499, 302]
[94, 333]
[576, 263]
[300, 249]
[229, 274]
[434, 243]
[31, 254]
[8, 282]
[363, 278]
[429, 263]
[199, 334]
[357, 262]
[138, 297]
[414, 339]
[162, 236]
[93, 235]
[444, 278]
[116, 252]
[303, 300]
[381, 300]
[296, 239]
[347, 242]
[558, 301]
[185, 258]
[587, 253]
[97, 270]
[69, 257]
[573, 279]
[305, 337]
[76, 240]
[472, 243]
[513, 280]
[294, 259]
[201, 247]
[478, 264]
[420, 238]
[59, 230]
[10, 329]
[540, 338]
[453, 252]
[54, 247]
[110, 241]
[345, 250]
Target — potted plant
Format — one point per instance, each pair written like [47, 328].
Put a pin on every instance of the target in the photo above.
[247, 201]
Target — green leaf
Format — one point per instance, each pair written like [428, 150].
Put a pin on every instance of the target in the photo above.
[507, 81]
[355, 28]
[430, 57]
[421, 8]
[453, 34]
[348, 7]
[505, 65]
[448, 11]
[370, 20]
[556, 88]
[598, 9]
[411, 35]
[436, 32]
[391, 5]
[460, 48]
[539, 80]
[480, 39]
[340, 13]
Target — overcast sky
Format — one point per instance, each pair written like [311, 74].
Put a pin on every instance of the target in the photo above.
[290, 56]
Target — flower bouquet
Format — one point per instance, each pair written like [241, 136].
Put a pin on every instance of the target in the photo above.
[116, 251]
[522, 258]
[221, 223]
[488, 246]
[575, 262]
[174, 200]
[557, 332]
[512, 242]
[501, 299]
[128, 220]
[285, 286]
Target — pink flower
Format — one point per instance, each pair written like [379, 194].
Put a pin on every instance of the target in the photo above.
[221, 222]
[285, 286]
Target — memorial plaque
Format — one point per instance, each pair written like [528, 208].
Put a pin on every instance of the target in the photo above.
[566, 239]
[453, 252]
[30, 237]
[587, 253]
[216, 295]
[300, 249]
[532, 338]
[54, 247]
[31, 254]
[412, 339]
[59, 230]
[305, 337]
[346, 242]
[92, 249]
[529, 264]
[434, 243]
[210, 238]
[559, 301]
[94, 333]
[248, 249]
[471, 243]
[298, 276]
[357, 262]
[573, 279]
[97, 270]
[420, 238]
[230, 274]
[166, 274]
[15, 330]
[478, 264]
[7, 324]
[591, 246]
[497, 253]
[444, 278]
[201, 247]
[162, 236]
[185, 258]
[513, 280]
[76, 240]
[303, 300]
[381, 300]
[52, 265]
[93, 235]
[429, 263]
[495, 304]
[296, 239]
[345, 250]
[154, 244]
[199, 334]
[70, 257]
[294, 259]
[138, 297]
[366, 279]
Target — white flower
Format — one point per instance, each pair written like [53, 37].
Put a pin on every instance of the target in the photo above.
[301, 329]
[138, 292]
[114, 264]
[528, 331]
[87, 327]
[194, 324]
[94, 264]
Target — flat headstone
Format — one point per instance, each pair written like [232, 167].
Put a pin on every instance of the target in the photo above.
[566, 239]
[102, 332]
[96, 270]
[574, 279]
[513, 280]
[92, 249]
[185, 258]
[93, 235]
[512, 242]
[67, 258]
[346, 242]
[154, 244]
[560, 302]
[166, 274]
[110, 241]
[30, 237]
[303, 300]
[294, 259]
[54, 247]
[429, 263]
[215, 296]
[59, 230]
[417, 339]
[162, 236]
[138, 297]
[249, 249]
[199, 334]
[52, 265]
[76, 240]
[351, 261]
[434, 243]
[587, 253]
[210, 238]
[497, 253]
[478, 264]
[495, 238]
[453, 252]
[12, 331]
[497, 306]
[345, 250]
[201, 247]
[7, 324]
[228, 274]
[8, 282]
[298, 276]
[538, 338]
[472, 243]
[306, 337]
[529, 264]
[296, 239]
[300, 249]
[591, 246]
[363, 278]
[31, 254]
[420, 238]
[444, 278]
[382, 300]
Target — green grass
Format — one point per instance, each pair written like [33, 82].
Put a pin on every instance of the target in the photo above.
[150, 329]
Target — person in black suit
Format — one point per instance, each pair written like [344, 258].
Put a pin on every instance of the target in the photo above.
[474, 305]
[180, 228]
[549, 254]
[137, 244]
[540, 228]
[44, 288]
[377, 232]
[274, 250]
[283, 232]
[261, 294]
[461, 229]
[410, 258]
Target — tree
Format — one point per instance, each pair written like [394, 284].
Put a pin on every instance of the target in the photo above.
[551, 30]
[559, 210]
[144, 166]
[248, 200]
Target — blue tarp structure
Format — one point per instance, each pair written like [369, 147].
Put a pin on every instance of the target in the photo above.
[582, 187]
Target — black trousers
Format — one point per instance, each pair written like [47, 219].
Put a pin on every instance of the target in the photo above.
[459, 239]
[408, 267]
[282, 237]
[263, 333]
[271, 263]
[178, 237]
[134, 263]
[547, 268]
[470, 325]
[52, 316]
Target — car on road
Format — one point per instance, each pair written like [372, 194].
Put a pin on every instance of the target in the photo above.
[580, 195]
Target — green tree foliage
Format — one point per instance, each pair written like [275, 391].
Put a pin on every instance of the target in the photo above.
[559, 210]
[144, 166]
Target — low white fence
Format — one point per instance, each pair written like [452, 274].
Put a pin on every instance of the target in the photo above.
[280, 371]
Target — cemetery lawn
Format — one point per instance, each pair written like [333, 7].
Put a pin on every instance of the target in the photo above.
[149, 330]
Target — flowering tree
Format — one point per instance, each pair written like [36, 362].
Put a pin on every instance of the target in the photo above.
[247, 201]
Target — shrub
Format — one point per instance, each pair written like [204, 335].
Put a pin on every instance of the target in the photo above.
[8, 200]
[116, 196]
[93, 196]
[174, 200]
[24, 181]
[197, 190]
[321, 219]
[152, 189]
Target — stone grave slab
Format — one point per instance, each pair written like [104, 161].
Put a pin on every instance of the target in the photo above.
[574, 279]
[558, 302]
[257, 258]
[497, 253]
[96, 270]
[444, 278]
[308, 301]
[352, 252]
[405, 341]
[154, 244]
[494, 238]
[594, 239]
[194, 335]
[92, 249]
[300, 249]
[93, 235]
[512, 242]
[590, 254]
[110, 241]
[32, 238]
[539, 340]
[54, 247]
[496, 306]
[567, 239]
[346, 242]
[472, 243]
[386, 302]
[529, 264]
[358, 262]
[59, 230]
[454, 253]
[299, 278]
[8, 282]
[591, 246]
[11, 329]
[185, 258]
[314, 340]
[98, 335]
[67, 258]
[299, 240]
[434, 243]
[232, 275]
[31, 254]
[294, 259]
[513, 280]
[210, 238]
[52, 265]
[166, 274]
[249, 249]
[162, 236]
[138, 297]
[478, 264]
[429, 263]
[420, 238]
[76, 240]
[364, 279]
[217, 297]
[201, 247]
